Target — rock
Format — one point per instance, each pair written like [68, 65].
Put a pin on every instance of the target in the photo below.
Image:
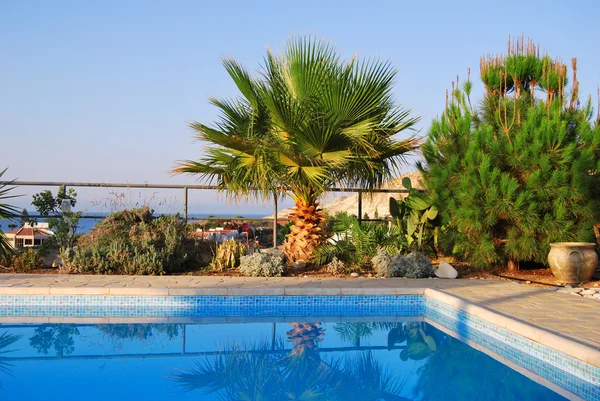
[568, 286]
[527, 282]
[597, 296]
[588, 296]
[575, 293]
[299, 265]
[578, 289]
[445, 270]
[566, 290]
[354, 274]
[588, 292]
[58, 262]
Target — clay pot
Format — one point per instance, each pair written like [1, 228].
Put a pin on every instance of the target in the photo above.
[573, 262]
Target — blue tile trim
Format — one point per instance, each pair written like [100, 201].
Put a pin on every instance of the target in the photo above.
[569, 373]
[197, 306]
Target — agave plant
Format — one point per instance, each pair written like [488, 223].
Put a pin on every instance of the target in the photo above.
[6, 212]
[311, 122]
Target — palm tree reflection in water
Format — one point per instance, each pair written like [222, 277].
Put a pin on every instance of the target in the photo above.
[5, 341]
[263, 372]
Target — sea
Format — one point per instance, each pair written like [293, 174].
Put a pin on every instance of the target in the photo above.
[89, 220]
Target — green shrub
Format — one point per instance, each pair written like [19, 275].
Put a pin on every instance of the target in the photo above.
[227, 255]
[420, 267]
[261, 265]
[27, 260]
[356, 243]
[133, 242]
[522, 170]
[413, 265]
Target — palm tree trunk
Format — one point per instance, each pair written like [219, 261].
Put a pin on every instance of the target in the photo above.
[306, 232]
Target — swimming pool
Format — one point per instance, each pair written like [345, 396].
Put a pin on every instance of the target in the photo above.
[332, 347]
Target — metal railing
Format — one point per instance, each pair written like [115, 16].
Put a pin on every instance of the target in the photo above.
[186, 188]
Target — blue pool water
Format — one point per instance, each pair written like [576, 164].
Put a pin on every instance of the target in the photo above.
[272, 348]
[399, 360]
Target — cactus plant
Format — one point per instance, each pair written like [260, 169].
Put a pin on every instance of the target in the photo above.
[417, 218]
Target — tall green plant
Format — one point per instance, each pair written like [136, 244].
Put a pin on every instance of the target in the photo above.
[6, 212]
[521, 170]
[311, 122]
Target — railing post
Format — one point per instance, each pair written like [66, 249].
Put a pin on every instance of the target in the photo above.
[274, 219]
[185, 204]
[360, 215]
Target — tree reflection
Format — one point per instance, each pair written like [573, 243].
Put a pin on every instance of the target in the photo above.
[57, 336]
[138, 331]
[263, 372]
[6, 340]
[354, 332]
[418, 336]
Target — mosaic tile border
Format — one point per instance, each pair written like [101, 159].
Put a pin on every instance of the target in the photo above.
[199, 306]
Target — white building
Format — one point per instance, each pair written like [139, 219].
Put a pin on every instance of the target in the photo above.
[28, 236]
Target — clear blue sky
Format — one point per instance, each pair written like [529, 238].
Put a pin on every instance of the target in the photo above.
[103, 90]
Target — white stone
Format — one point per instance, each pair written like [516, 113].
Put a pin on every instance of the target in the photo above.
[566, 290]
[355, 274]
[588, 292]
[588, 296]
[568, 286]
[445, 270]
[597, 296]
[578, 289]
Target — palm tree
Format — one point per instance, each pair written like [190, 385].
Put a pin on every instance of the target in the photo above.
[6, 212]
[311, 122]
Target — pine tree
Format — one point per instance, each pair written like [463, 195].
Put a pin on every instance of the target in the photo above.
[520, 171]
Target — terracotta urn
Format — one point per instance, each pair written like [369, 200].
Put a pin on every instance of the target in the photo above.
[573, 262]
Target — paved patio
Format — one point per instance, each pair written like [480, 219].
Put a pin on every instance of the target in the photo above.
[541, 314]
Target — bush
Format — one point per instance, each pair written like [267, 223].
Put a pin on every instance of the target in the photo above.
[133, 242]
[420, 267]
[27, 260]
[356, 243]
[261, 265]
[336, 267]
[413, 265]
[522, 170]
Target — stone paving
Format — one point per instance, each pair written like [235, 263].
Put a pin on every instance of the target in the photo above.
[562, 314]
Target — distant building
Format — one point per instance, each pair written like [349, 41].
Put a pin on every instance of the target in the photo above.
[28, 236]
